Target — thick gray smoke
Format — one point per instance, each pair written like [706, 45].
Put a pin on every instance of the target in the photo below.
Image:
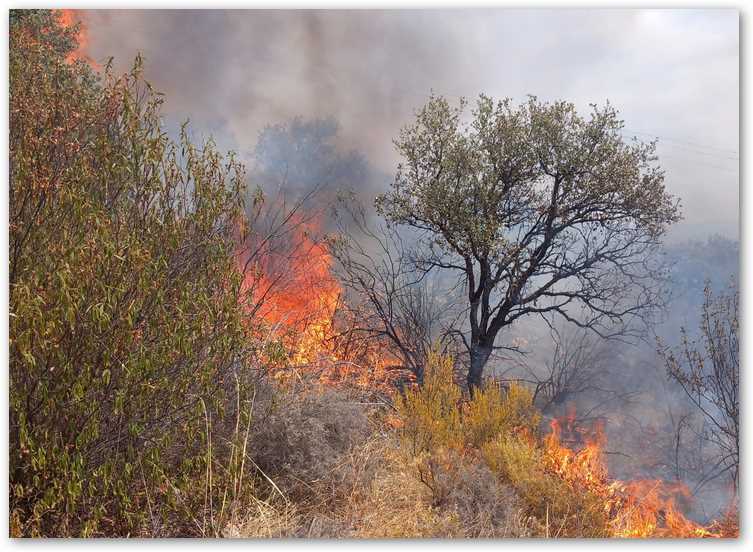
[299, 162]
[672, 73]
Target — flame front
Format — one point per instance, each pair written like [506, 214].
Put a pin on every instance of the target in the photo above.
[291, 286]
[638, 508]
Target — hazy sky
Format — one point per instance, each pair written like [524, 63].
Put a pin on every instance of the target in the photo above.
[673, 74]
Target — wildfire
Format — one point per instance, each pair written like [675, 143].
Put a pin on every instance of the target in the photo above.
[639, 508]
[288, 282]
[69, 18]
[291, 286]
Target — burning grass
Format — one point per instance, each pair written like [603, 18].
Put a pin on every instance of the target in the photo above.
[440, 445]
[637, 508]
[444, 466]
[566, 492]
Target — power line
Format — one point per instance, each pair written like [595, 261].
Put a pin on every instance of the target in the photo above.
[694, 147]
[695, 151]
[706, 153]
[685, 143]
[727, 169]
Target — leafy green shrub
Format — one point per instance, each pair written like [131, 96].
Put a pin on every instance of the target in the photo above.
[128, 351]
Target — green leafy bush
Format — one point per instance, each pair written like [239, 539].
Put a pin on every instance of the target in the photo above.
[128, 351]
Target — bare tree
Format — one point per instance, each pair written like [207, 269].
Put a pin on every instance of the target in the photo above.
[392, 300]
[688, 452]
[537, 210]
[708, 370]
[574, 369]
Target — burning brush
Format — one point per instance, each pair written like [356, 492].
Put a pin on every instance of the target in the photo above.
[637, 508]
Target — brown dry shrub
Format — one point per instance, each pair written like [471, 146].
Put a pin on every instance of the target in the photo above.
[374, 491]
[463, 499]
[335, 471]
[300, 435]
[485, 506]
[303, 435]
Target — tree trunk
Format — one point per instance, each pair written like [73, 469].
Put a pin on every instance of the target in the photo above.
[479, 357]
[418, 372]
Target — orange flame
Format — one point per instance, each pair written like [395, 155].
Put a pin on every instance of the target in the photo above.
[292, 288]
[69, 18]
[639, 508]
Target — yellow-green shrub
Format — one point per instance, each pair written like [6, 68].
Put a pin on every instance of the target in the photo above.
[125, 332]
[435, 414]
[431, 413]
[494, 411]
[498, 427]
[561, 510]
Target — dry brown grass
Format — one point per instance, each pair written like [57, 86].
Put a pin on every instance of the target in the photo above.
[338, 480]
[335, 469]
[301, 434]
[460, 498]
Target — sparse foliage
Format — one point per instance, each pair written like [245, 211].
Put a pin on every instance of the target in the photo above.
[390, 302]
[579, 369]
[708, 370]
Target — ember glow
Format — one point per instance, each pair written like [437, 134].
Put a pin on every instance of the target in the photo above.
[637, 508]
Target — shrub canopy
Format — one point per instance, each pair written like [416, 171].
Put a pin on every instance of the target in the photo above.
[125, 331]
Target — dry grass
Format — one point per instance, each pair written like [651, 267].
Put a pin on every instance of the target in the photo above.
[460, 498]
[301, 434]
[334, 470]
[329, 464]
[375, 492]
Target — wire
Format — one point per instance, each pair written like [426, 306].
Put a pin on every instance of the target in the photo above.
[727, 169]
[664, 141]
[684, 143]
